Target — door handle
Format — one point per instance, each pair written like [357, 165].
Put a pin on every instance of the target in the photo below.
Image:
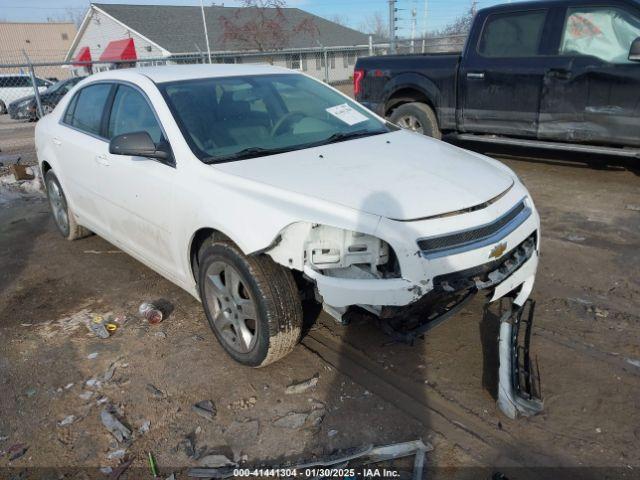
[560, 73]
[102, 160]
[475, 75]
[56, 142]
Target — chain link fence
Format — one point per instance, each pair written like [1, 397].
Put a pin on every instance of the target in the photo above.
[29, 90]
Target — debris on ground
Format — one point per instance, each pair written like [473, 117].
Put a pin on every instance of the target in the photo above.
[120, 469]
[364, 455]
[30, 392]
[291, 420]
[146, 425]
[302, 386]
[152, 465]
[101, 326]
[117, 454]
[68, 420]
[205, 408]
[92, 356]
[216, 461]
[149, 311]
[12, 189]
[6, 160]
[332, 433]
[86, 395]
[155, 391]
[575, 238]
[188, 445]
[117, 429]
[635, 208]
[243, 404]
[16, 451]
[21, 172]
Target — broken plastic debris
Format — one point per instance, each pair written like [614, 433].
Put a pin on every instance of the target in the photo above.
[216, 461]
[150, 312]
[206, 409]
[16, 451]
[302, 386]
[145, 427]
[292, 420]
[68, 420]
[117, 429]
[117, 454]
[93, 355]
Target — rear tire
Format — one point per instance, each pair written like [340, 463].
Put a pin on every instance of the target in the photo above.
[63, 216]
[251, 303]
[3, 108]
[417, 117]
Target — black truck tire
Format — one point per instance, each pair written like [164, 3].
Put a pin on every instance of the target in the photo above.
[418, 117]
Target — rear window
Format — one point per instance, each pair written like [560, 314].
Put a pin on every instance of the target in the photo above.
[516, 34]
[86, 108]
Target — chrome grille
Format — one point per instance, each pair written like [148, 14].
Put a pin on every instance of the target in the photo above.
[453, 241]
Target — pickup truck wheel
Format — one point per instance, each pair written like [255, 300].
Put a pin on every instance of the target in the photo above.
[251, 303]
[63, 216]
[417, 117]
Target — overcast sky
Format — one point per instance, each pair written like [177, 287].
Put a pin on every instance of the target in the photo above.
[440, 12]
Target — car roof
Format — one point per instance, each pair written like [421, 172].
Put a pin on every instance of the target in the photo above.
[172, 73]
[532, 4]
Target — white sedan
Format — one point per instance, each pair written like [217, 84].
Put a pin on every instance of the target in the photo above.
[253, 187]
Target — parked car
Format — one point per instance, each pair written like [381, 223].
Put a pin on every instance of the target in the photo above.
[14, 86]
[252, 187]
[551, 74]
[26, 108]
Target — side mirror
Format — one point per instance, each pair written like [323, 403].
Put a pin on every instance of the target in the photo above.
[137, 144]
[634, 51]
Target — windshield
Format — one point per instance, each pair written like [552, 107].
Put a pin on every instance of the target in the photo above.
[230, 118]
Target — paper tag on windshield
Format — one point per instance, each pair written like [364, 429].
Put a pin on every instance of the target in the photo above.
[347, 114]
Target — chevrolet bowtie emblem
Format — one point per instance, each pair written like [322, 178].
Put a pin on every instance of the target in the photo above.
[498, 250]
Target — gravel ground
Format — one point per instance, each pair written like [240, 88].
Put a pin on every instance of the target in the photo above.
[56, 378]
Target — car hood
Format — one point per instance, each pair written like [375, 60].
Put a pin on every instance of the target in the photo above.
[399, 175]
[22, 99]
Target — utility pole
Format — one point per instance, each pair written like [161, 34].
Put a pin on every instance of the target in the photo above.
[392, 25]
[424, 24]
[206, 34]
[414, 19]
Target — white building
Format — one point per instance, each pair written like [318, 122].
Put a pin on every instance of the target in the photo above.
[154, 34]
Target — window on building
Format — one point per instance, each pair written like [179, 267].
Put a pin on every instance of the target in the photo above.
[293, 61]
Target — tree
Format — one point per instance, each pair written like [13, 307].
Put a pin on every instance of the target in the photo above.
[460, 26]
[263, 25]
[375, 24]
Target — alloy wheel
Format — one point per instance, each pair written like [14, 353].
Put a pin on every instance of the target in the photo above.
[58, 205]
[410, 122]
[234, 312]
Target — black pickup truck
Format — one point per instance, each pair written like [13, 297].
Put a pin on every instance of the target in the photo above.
[562, 74]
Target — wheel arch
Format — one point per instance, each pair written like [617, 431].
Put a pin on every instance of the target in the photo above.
[198, 238]
[409, 88]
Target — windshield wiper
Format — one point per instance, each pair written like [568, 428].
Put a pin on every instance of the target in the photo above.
[250, 152]
[342, 136]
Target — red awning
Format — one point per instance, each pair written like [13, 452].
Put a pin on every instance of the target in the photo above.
[83, 58]
[119, 50]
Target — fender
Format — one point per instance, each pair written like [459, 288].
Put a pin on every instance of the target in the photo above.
[414, 81]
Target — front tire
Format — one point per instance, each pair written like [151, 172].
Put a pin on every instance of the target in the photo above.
[3, 108]
[417, 117]
[251, 303]
[63, 216]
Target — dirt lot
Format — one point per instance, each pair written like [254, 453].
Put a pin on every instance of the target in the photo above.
[56, 377]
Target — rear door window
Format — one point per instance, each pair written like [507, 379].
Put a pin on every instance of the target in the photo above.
[88, 108]
[514, 34]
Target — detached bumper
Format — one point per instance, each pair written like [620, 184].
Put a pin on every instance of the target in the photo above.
[342, 292]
